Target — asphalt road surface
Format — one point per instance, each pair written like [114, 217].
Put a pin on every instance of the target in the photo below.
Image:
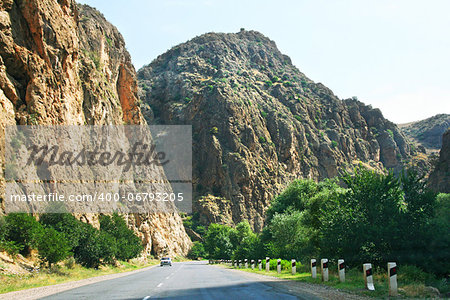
[187, 280]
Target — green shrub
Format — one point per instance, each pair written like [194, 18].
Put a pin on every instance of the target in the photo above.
[334, 144]
[67, 224]
[197, 251]
[285, 264]
[128, 245]
[390, 133]
[298, 118]
[264, 114]
[409, 274]
[95, 247]
[10, 247]
[52, 245]
[262, 139]
[214, 130]
[21, 229]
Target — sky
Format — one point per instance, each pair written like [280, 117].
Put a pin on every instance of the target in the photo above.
[391, 54]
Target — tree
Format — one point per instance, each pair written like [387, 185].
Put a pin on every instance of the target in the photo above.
[65, 223]
[21, 229]
[248, 244]
[197, 251]
[218, 242]
[11, 247]
[440, 242]
[95, 247]
[412, 244]
[52, 245]
[295, 197]
[361, 223]
[128, 245]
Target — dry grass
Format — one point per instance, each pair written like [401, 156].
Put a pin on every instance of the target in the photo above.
[61, 274]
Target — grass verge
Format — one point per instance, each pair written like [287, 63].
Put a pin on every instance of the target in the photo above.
[354, 282]
[62, 274]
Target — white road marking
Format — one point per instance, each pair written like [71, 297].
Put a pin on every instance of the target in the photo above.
[146, 298]
[159, 285]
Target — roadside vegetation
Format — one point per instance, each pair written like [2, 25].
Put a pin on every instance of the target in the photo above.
[364, 216]
[66, 248]
[411, 280]
[65, 272]
[57, 237]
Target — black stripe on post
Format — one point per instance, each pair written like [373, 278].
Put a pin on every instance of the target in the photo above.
[279, 262]
[341, 266]
[325, 265]
[293, 263]
[267, 260]
[369, 272]
[313, 264]
[393, 271]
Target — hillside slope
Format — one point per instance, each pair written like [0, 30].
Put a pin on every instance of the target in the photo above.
[428, 132]
[63, 64]
[258, 122]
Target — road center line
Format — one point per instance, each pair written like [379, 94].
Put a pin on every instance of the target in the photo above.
[168, 277]
[146, 298]
[159, 285]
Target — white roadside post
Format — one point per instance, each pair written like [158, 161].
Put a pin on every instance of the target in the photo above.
[392, 274]
[253, 264]
[279, 266]
[259, 264]
[341, 270]
[294, 267]
[324, 267]
[246, 263]
[239, 265]
[313, 268]
[368, 277]
[267, 264]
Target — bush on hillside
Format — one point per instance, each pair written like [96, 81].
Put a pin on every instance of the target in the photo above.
[128, 245]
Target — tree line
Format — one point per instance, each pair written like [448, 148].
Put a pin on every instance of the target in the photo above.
[57, 236]
[363, 216]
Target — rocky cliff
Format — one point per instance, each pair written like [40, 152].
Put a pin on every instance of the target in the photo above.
[440, 176]
[65, 64]
[258, 122]
[427, 133]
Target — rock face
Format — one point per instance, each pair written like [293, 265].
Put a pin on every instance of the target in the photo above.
[258, 122]
[440, 177]
[427, 133]
[63, 64]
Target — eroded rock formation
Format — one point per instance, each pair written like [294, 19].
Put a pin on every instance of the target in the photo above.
[65, 64]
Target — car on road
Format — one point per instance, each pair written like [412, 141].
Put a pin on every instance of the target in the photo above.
[166, 261]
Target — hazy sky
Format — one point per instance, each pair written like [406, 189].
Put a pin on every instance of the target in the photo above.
[394, 55]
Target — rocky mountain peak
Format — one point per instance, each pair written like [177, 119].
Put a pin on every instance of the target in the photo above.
[258, 122]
